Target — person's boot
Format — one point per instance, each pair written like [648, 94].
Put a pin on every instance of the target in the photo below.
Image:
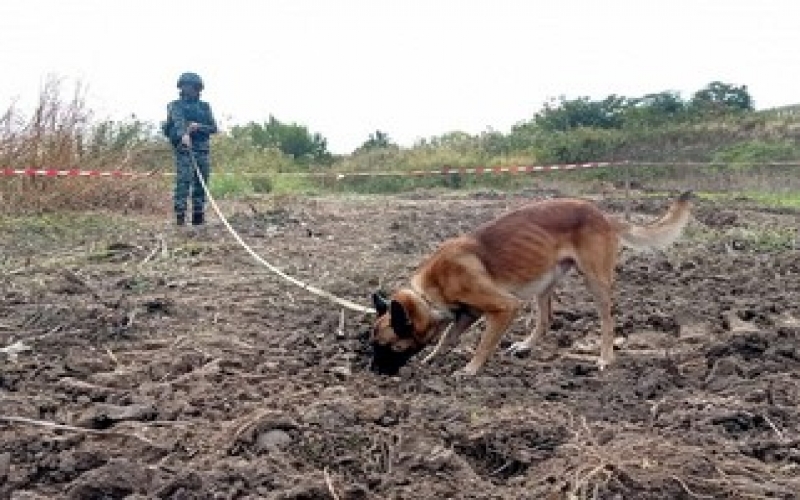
[197, 218]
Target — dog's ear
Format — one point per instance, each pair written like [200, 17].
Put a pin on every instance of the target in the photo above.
[380, 302]
[401, 323]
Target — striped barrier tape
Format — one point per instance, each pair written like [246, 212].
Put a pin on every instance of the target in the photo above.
[514, 169]
[50, 172]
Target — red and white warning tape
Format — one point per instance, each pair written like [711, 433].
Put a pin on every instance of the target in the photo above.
[514, 169]
[50, 172]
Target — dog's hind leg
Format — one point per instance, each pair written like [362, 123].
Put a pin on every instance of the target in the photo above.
[597, 265]
[601, 290]
[544, 305]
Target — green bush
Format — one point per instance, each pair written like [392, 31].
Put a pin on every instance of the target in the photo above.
[292, 139]
[293, 184]
[757, 151]
[262, 184]
[229, 186]
[241, 155]
[579, 145]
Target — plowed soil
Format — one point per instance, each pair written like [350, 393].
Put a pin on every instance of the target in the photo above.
[189, 372]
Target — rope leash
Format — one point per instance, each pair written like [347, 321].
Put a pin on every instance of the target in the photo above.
[305, 286]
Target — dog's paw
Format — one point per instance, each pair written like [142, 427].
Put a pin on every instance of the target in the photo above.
[519, 348]
[465, 373]
[604, 362]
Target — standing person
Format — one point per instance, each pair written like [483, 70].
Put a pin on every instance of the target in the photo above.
[189, 126]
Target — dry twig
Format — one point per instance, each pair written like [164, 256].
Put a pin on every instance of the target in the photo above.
[781, 437]
[153, 252]
[70, 428]
[112, 356]
[329, 482]
[340, 331]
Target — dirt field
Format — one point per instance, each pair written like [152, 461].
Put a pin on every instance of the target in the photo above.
[207, 377]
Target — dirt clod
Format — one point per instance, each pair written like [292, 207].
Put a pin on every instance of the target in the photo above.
[116, 480]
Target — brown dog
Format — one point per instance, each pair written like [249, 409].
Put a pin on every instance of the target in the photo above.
[491, 271]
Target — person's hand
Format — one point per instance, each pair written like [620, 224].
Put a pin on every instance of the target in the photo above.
[193, 126]
[186, 140]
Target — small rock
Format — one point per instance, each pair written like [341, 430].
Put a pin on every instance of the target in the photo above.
[273, 439]
[372, 410]
[270, 366]
[342, 371]
[117, 479]
[268, 432]
[439, 458]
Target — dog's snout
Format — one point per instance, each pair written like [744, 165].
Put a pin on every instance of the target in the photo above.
[386, 361]
[384, 369]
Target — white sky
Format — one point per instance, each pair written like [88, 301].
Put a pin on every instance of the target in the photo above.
[411, 68]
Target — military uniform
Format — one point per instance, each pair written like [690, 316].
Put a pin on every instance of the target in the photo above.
[181, 112]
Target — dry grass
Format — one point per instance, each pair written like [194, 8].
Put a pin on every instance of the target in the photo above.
[60, 134]
[30, 195]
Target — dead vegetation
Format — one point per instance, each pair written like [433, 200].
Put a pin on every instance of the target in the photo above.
[61, 134]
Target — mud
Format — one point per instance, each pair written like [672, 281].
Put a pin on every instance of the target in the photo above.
[202, 376]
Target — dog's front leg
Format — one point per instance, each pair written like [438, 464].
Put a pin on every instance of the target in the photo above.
[445, 339]
[497, 323]
[450, 337]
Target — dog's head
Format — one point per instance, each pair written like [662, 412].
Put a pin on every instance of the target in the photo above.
[405, 325]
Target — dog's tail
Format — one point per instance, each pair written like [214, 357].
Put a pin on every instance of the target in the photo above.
[661, 233]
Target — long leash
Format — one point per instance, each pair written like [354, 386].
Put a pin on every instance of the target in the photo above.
[305, 286]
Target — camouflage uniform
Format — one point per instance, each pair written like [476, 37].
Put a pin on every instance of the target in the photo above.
[181, 112]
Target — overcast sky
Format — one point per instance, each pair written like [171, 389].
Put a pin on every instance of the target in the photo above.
[411, 68]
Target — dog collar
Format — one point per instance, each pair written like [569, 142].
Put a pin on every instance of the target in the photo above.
[443, 313]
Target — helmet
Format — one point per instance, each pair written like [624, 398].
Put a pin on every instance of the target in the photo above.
[190, 79]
